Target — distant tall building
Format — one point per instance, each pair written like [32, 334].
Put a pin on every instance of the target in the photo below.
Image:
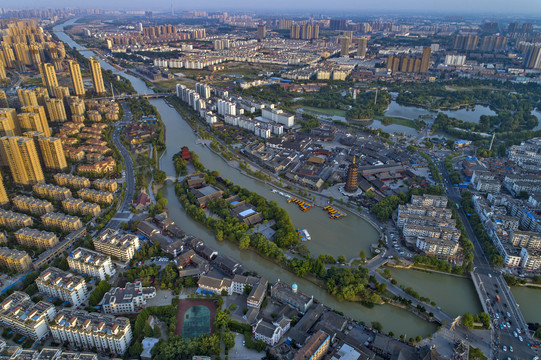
[3, 195]
[425, 60]
[22, 158]
[3, 74]
[52, 153]
[513, 27]
[493, 43]
[466, 42]
[97, 79]
[76, 78]
[3, 99]
[43, 125]
[295, 31]
[532, 57]
[361, 46]
[27, 97]
[30, 121]
[337, 24]
[48, 77]
[351, 181]
[345, 42]
[261, 31]
[56, 110]
[8, 122]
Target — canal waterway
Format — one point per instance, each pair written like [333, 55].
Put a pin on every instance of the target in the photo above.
[336, 237]
[455, 295]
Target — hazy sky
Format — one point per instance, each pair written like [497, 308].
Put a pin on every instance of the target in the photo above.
[503, 7]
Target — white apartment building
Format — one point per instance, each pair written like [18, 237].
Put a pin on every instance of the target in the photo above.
[91, 263]
[120, 245]
[127, 300]
[279, 116]
[437, 247]
[63, 285]
[22, 315]
[84, 330]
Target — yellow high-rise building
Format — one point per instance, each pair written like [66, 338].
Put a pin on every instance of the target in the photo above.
[22, 158]
[3, 74]
[425, 61]
[56, 110]
[60, 92]
[97, 79]
[3, 195]
[31, 121]
[3, 99]
[52, 153]
[22, 54]
[76, 78]
[361, 46]
[43, 118]
[27, 97]
[48, 77]
[8, 122]
[345, 42]
[42, 95]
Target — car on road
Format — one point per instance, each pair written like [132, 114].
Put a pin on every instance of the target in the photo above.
[518, 330]
[511, 348]
[520, 338]
[504, 348]
[489, 275]
[508, 325]
[515, 334]
[508, 315]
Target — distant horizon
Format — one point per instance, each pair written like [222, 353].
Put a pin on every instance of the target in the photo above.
[500, 8]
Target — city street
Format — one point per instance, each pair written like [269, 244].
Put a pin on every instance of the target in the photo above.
[492, 284]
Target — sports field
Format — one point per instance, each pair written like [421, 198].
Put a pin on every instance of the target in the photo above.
[195, 317]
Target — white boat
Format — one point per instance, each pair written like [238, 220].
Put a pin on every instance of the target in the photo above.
[305, 232]
[304, 235]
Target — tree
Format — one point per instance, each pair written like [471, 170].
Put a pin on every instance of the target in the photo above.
[221, 320]
[362, 255]
[523, 195]
[244, 242]
[484, 318]
[159, 177]
[228, 339]
[157, 332]
[342, 259]
[376, 325]
[467, 320]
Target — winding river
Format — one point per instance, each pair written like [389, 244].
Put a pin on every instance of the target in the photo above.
[343, 237]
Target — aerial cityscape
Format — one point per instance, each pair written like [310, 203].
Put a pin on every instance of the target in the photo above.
[270, 180]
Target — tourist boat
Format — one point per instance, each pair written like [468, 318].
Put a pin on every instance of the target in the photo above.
[304, 235]
[302, 205]
[333, 213]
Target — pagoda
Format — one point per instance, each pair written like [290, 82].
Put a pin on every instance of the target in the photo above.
[351, 182]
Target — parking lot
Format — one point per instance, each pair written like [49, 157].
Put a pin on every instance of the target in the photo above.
[240, 352]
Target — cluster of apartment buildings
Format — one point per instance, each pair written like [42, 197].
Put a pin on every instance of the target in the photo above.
[212, 103]
[127, 300]
[427, 223]
[513, 227]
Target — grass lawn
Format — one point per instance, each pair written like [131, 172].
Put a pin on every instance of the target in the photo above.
[397, 121]
[331, 112]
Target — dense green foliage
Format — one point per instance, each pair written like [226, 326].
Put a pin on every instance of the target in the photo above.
[180, 164]
[100, 290]
[453, 174]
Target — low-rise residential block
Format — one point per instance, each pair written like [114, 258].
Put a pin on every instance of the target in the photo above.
[52, 191]
[22, 315]
[81, 329]
[61, 221]
[14, 220]
[105, 184]
[63, 285]
[78, 206]
[70, 180]
[32, 205]
[14, 260]
[119, 245]
[102, 197]
[36, 238]
[127, 300]
[91, 263]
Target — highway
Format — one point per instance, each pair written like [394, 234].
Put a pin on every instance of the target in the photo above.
[123, 210]
[491, 284]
